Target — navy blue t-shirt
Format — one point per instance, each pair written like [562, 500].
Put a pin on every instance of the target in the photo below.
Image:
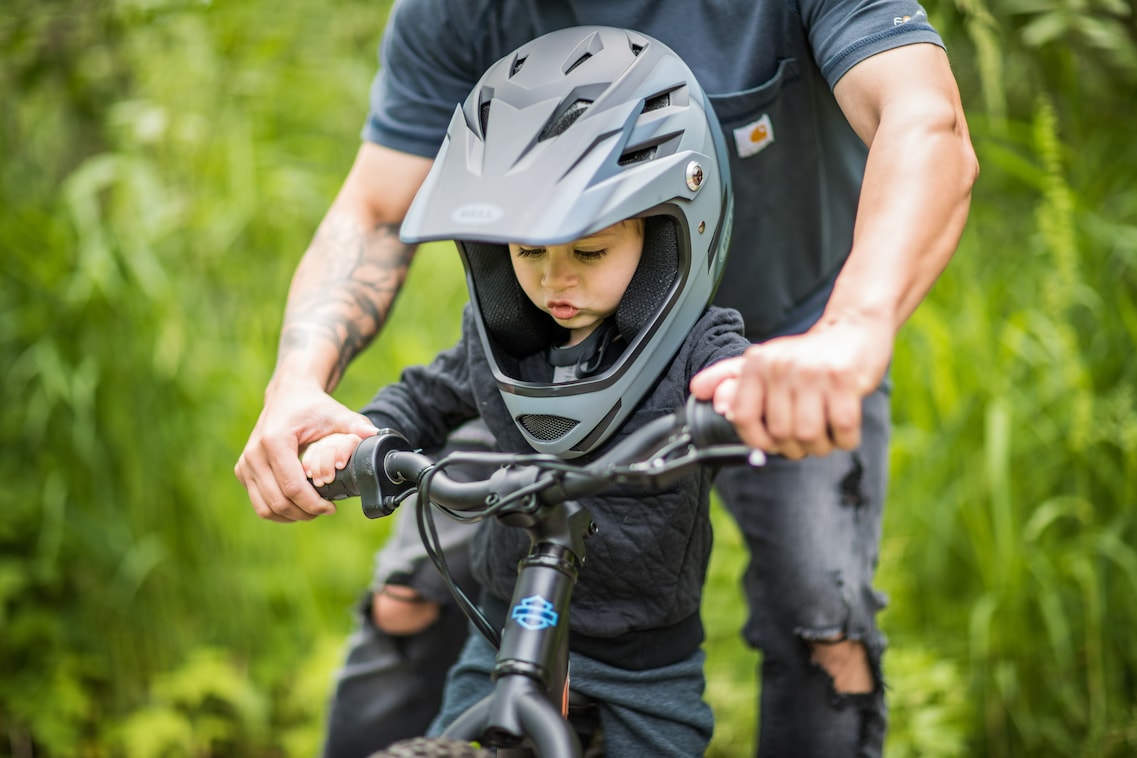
[769, 67]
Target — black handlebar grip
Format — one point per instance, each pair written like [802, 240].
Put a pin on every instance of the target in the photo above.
[343, 487]
[364, 476]
[346, 483]
[709, 427]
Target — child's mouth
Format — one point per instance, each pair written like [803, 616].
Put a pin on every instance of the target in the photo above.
[563, 311]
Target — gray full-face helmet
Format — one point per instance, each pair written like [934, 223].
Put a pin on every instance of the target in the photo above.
[571, 133]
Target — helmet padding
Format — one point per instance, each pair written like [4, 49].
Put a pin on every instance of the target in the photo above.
[519, 328]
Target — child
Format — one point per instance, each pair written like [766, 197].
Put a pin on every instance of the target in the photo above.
[586, 185]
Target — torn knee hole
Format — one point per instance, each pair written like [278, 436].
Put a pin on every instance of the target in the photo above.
[852, 487]
[846, 662]
[401, 611]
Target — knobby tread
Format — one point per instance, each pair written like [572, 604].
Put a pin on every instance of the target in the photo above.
[432, 747]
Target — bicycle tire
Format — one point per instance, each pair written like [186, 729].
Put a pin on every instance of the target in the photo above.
[432, 747]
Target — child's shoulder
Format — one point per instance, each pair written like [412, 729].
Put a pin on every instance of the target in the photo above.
[718, 334]
[720, 318]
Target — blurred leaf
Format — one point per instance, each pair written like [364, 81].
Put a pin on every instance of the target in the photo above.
[157, 732]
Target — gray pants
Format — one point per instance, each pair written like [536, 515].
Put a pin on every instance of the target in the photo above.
[813, 530]
[389, 688]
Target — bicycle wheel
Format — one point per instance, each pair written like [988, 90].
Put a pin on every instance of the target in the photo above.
[432, 747]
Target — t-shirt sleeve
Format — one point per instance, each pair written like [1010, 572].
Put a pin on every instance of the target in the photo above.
[844, 33]
[423, 75]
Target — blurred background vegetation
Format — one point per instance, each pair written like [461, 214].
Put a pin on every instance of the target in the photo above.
[163, 164]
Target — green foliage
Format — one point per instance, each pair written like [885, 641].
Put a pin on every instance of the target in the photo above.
[930, 715]
[1015, 468]
[165, 163]
[732, 688]
[157, 183]
[199, 709]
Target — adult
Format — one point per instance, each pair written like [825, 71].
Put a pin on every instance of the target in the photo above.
[852, 169]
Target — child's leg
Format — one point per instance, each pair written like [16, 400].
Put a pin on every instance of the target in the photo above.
[467, 683]
[657, 712]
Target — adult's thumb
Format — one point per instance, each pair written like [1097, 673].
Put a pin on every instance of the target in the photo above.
[360, 425]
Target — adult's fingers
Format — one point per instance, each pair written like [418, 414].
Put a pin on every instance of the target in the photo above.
[706, 383]
[750, 404]
[844, 419]
[287, 491]
[243, 472]
[274, 493]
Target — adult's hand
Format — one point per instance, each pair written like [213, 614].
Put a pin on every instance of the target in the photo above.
[801, 395]
[294, 415]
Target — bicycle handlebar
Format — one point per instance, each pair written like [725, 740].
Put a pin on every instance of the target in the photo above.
[384, 469]
[533, 492]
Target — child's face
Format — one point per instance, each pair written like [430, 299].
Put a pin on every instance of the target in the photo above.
[580, 283]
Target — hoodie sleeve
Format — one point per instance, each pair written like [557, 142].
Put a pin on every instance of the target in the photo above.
[719, 334]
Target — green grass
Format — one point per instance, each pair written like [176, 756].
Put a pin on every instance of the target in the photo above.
[732, 688]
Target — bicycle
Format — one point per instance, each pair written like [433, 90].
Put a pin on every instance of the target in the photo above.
[528, 712]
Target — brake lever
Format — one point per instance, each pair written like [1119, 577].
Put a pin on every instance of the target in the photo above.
[679, 454]
[714, 436]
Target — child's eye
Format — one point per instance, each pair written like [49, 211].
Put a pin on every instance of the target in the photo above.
[591, 255]
[529, 252]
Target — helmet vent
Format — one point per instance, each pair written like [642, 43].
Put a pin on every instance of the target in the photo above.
[638, 156]
[576, 64]
[662, 146]
[484, 116]
[564, 120]
[517, 64]
[657, 102]
[545, 427]
[637, 49]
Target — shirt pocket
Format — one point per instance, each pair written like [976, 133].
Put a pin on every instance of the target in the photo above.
[771, 134]
[768, 125]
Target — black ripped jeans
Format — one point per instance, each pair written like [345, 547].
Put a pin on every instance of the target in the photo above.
[813, 529]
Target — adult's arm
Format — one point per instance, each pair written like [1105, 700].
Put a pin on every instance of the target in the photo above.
[801, 395]
[340, 295]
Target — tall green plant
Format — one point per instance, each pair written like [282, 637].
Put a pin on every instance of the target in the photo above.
[158, 176]
[1015, 460]
[1009, 534]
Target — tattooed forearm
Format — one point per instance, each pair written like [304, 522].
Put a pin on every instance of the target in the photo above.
[343, 289]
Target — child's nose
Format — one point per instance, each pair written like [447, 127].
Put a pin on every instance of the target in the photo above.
[558, 274]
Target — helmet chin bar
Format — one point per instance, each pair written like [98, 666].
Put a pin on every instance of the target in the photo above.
[543, 429]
